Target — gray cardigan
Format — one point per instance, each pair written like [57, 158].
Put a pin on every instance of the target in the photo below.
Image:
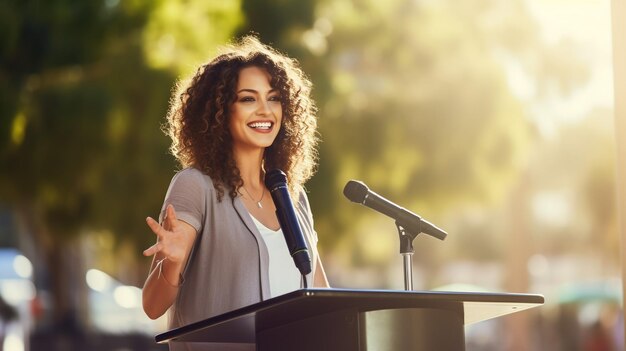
[228, 265]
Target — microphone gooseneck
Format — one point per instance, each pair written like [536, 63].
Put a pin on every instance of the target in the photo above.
[357, 191]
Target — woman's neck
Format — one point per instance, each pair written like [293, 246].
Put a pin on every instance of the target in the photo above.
[250, 168]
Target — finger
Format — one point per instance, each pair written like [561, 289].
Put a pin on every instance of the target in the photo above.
[155, 226]
[152, 249]
[171, 217]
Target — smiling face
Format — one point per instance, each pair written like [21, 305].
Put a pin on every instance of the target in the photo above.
[256, 114]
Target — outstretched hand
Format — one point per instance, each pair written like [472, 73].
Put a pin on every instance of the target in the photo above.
[173, 238]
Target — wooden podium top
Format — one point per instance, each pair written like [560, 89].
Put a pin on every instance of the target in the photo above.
[241, 325]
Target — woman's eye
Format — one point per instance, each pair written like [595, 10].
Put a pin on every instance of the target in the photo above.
[275, 98]
[246, 99]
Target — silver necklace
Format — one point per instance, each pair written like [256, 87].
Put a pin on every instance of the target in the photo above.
[258, 203]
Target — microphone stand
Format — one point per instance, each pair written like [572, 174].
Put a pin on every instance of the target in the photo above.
[406, 250]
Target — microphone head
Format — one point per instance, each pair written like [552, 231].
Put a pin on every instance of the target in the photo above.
[356, 191]
[274, 178]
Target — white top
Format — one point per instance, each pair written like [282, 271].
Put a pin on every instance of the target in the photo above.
[283, 273]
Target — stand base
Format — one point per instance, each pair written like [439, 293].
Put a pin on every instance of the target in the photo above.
[416, 329]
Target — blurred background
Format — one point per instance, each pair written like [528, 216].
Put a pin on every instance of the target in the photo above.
[491, 118]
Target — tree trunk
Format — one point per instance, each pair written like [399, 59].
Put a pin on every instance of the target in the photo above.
[58, 270]
[518, 333]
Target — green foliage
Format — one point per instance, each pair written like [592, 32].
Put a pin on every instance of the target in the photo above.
[135, 166]
[419, 109]
[182, 35]
[278, 22]
[578, 164]
[82, 106]
[71, 74]
[413, 99]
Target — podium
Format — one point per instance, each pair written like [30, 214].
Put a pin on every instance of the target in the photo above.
[353, 320]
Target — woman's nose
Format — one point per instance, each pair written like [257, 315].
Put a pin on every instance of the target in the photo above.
[264, 108]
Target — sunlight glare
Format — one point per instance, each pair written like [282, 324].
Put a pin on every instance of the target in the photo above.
[127, 296]
[22, 266]
[98, 280]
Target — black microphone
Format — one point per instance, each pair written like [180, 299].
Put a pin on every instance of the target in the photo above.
[358, 192]
[276, 182]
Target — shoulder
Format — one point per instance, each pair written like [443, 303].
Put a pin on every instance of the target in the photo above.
[193, 177]
[191, 174]
[191, 183]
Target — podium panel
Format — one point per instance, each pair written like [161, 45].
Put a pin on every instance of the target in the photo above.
[338, 330]
[418, 329]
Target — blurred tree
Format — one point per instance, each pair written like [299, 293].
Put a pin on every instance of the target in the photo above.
[577, 166]
[181, 35]
[69, 103]
[80, 113]
[416, 101]
[415, 98]
[279, 23]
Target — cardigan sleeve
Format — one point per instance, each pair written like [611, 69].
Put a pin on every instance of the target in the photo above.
[187, 193]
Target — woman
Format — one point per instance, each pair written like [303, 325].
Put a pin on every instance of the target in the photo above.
[219, 245]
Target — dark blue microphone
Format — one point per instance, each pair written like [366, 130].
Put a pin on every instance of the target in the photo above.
[276, 182]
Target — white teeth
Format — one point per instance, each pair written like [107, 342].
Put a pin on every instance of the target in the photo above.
[260, 125]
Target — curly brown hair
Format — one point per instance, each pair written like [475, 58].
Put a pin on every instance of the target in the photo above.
[198, 117]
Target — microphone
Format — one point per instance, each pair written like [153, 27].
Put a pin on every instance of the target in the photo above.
[357, 191]
[276, 182]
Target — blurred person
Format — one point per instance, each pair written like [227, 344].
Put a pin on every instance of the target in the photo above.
[597, 338]
[568, 328]
[618, 331]
[8, 314]
[219, 243]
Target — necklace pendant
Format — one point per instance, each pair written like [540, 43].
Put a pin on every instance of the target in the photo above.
[259, 204]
